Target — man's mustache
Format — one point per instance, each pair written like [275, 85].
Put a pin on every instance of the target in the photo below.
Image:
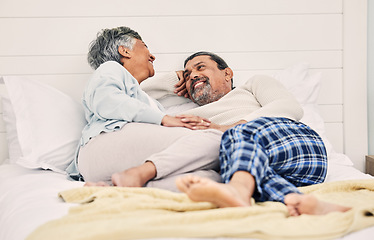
[193, 81]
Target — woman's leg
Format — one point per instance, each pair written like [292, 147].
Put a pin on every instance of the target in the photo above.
[191, 153]
[137, 143]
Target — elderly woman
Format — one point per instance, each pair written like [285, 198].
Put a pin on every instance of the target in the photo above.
[128, 139]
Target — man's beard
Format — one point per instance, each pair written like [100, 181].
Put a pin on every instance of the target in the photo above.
[204, 95]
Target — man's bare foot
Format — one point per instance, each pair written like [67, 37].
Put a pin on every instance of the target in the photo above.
[96, 184]
[135, 177]
[298, 204]
[206, 190]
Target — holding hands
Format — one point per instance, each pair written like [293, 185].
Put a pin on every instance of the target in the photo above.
[187, 121]
[194, 123]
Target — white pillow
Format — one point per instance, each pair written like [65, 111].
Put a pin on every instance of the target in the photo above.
[9, 117]
[47, 124]
[305, 87]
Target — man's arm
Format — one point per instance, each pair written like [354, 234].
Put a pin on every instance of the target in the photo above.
[274, 98]
[162, 88]
[223, 128]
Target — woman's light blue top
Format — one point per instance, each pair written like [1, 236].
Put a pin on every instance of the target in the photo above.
[111, 99]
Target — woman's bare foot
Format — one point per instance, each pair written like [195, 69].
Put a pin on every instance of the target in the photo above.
[136, 176]
[206, 190]
[96, 184]
[298, 204]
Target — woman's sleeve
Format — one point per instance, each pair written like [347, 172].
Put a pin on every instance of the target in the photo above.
[109, 97]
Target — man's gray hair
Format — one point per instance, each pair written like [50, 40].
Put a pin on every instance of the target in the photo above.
[105, 47]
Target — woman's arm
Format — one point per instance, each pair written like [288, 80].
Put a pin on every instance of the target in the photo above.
[113, 93]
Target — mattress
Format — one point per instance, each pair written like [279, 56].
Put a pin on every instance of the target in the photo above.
[29, 198]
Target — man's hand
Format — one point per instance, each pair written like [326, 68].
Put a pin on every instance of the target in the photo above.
[180, 87]
[223, 128]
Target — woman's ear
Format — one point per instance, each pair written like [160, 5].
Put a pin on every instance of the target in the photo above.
[125, 52]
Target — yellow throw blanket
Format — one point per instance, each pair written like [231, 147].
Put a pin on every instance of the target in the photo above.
[136, 213]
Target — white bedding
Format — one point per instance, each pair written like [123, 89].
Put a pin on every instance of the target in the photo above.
[29, 198]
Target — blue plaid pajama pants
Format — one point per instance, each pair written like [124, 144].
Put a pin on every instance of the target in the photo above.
[279, 153]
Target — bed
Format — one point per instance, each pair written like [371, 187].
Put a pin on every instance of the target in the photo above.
[316, 48]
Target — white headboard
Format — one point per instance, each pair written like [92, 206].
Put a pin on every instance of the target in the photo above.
[48, 40]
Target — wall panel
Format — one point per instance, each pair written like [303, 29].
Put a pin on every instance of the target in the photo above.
[70, 36]
[98, 8]
[11, 65]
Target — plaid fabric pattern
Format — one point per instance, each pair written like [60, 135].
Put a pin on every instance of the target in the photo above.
[280, 153]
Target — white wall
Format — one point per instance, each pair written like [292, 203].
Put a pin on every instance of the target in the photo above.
[47, 41]
[371, 75]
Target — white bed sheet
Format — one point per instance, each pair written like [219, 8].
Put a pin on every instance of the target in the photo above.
[29, 198]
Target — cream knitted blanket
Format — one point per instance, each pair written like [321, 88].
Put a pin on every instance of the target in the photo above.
[136, 213]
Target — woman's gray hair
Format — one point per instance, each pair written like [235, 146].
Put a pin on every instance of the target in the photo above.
[105, 47]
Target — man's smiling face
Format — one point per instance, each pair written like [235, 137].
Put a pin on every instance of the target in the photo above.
[205, 82]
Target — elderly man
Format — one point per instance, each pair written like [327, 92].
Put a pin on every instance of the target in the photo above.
[208, 79]
[265, 152]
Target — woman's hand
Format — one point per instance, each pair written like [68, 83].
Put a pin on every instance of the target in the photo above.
[180, 87]
[187, 121]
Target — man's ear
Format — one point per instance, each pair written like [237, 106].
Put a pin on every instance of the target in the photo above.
[229, 74]
[125, 52]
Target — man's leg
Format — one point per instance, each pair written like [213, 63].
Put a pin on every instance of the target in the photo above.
[247, 153]
[236, 193]
[298, 204]
[281, 154]
[169, 182]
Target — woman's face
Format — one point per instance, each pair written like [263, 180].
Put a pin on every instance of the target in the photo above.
[141, 66]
